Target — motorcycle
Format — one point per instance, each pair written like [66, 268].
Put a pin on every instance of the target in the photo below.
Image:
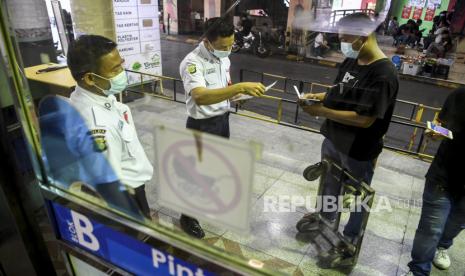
[253, 42]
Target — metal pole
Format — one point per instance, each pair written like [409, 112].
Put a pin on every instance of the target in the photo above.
[174, 90]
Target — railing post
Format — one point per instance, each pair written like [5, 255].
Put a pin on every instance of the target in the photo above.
[280, 111]
[414, 109]
[296, 118]
[241, 75]
[422, 137]
[285, 85]
[174, 90]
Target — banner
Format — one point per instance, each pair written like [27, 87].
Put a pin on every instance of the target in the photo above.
[138, 36]
[117, 248]
[417, 13]
[406, 12]
[429, 15]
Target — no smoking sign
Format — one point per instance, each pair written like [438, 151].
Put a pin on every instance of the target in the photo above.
[210, 180]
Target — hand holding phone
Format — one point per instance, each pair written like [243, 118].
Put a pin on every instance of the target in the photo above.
[442, 131]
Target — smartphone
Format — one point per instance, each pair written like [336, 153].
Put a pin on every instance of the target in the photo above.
[440, 130]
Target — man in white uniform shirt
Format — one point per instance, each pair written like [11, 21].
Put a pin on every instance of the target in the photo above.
[208, 86]
[96, 65]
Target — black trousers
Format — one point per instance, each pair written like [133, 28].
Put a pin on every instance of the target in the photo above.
[218, 125]
[141, 200]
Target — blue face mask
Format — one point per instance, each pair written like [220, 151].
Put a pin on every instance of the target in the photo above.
[348, 50]
[117, 84]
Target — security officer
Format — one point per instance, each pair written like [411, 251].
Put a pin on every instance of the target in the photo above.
[96, 65]
[208, 87]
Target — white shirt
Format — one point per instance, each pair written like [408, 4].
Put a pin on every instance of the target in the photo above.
[112, 127]
[319, 40]
[200, 68]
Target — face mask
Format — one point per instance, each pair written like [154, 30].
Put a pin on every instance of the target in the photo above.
[117, 84]
[348, 50]
[220, 54]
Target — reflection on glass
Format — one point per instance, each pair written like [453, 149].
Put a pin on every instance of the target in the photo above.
[72, 157]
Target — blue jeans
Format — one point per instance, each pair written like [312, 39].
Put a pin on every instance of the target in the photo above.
[442, 219]
[361, 170]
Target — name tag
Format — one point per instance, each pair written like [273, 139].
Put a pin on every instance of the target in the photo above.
[210, 71]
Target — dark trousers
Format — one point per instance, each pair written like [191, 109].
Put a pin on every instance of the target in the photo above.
[125, 201]
[361, 170]
[218, 125]
[141, 200]
[442, 219]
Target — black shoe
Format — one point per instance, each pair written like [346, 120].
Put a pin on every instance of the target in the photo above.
[191, 226]
[314, 171]
[338, 256]
[309, 223]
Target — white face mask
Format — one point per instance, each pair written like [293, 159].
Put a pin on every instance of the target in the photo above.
[221, 54]
[117, 84]
[348, 50]
[218, 53]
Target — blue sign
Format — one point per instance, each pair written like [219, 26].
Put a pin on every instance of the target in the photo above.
[119, 249]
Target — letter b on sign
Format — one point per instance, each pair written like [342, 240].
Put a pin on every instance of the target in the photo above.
[84, 229]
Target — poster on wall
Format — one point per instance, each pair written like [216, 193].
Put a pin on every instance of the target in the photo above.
[417, 3]
[138, 36]
[430, 11]
[406, 12]
[417, 13]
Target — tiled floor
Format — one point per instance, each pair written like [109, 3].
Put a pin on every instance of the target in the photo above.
[273, 237]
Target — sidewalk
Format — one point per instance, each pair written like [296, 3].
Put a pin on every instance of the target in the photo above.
[286, 152]
[334, 59]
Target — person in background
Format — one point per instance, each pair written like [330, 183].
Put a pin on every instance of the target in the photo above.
[393, 26]
[418, 33]
[321, 45]
[209, 89]
[441, 45]
[405, 33]
[443, 210]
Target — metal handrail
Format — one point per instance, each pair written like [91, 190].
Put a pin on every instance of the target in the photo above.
[418, 126]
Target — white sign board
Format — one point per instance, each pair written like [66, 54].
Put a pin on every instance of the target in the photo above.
[138, 36]
[206, 177]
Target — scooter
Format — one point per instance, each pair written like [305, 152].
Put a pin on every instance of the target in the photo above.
[252, 42]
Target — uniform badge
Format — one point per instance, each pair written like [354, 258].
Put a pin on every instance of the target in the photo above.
[211, 71]
[192, 69]
[100, 143]
[108, 106]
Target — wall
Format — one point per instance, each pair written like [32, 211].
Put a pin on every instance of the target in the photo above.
[212, 8]
[399, 5]
[93, 17]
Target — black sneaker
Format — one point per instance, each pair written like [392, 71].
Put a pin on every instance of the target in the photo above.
[338, 256]
[309, 223]
[191, 226]
[311, 173]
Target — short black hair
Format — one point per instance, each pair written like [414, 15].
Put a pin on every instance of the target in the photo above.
[395, 18]
[419, 21]
[218, 27]
[84, 54]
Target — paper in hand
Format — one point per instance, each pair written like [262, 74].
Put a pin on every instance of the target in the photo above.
[248, 97]
[300, 96]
